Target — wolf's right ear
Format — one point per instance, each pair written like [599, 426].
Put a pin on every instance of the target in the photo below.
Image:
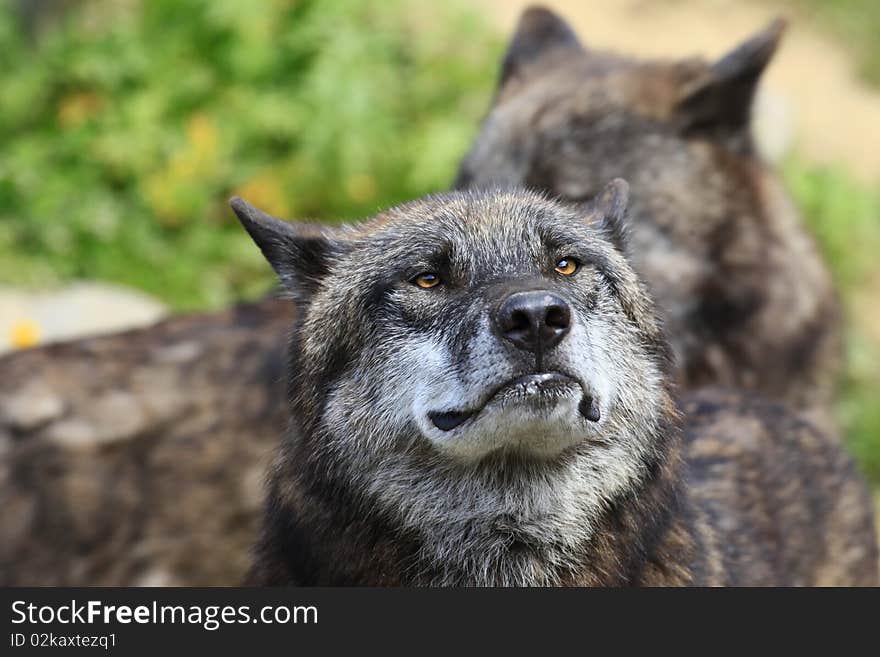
[721, 100]
[299, 253]
[538, 31]
[609, 211]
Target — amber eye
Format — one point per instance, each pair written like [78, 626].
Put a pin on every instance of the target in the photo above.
[566, 266]
[426, 280]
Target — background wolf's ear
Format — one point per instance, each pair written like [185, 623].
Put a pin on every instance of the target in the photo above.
[538, 31]
[299, 253]
[721, 100]
[608, 209]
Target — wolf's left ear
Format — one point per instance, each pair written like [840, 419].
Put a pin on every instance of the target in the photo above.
[538, 31]
[609, 212]
[721, 100]
[299, 253]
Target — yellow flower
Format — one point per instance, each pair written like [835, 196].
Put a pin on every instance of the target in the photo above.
[201, 132]
[173, 190]
[266, 191]
[77, 108]
[24, 333]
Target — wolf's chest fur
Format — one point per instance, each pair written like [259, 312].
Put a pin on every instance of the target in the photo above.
[741, 508]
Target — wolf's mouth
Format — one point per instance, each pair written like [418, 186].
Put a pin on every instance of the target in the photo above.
[545, 387]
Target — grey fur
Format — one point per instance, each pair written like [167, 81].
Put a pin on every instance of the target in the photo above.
[528, 490]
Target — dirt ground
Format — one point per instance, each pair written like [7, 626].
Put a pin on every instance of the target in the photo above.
[815, 94]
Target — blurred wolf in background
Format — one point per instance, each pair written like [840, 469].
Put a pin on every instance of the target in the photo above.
[479, 395]
[745, 296]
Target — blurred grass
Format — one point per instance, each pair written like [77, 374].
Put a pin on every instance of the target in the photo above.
[845, 218]
[127, 126]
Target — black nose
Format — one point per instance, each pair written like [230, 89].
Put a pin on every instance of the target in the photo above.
[535, 321]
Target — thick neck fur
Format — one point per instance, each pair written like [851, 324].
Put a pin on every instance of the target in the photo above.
[502, 523]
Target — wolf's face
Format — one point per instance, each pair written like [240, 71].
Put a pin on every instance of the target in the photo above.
[472, 329]
[480, 324]
[489, 325]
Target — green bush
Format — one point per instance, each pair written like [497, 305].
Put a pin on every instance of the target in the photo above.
[125, 130]
[845, 217]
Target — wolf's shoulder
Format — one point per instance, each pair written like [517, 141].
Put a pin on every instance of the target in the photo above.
[785, 500]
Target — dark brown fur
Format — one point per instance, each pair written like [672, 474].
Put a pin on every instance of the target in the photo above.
[137, 458]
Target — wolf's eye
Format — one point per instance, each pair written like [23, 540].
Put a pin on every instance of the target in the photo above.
[566, 266]
[426, 280]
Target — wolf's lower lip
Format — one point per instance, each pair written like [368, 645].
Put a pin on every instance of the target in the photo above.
[540, 379]
[449, 420]
[530, 386]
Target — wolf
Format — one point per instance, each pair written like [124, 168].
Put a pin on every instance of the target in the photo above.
[481, 394]
[746, 297]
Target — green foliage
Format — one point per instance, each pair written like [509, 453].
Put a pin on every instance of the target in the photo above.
[845, 217]
[126, 129]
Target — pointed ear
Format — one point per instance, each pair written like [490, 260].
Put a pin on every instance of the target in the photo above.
[299, 253]
[721, 100]
[609, 211]
[538, 31]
